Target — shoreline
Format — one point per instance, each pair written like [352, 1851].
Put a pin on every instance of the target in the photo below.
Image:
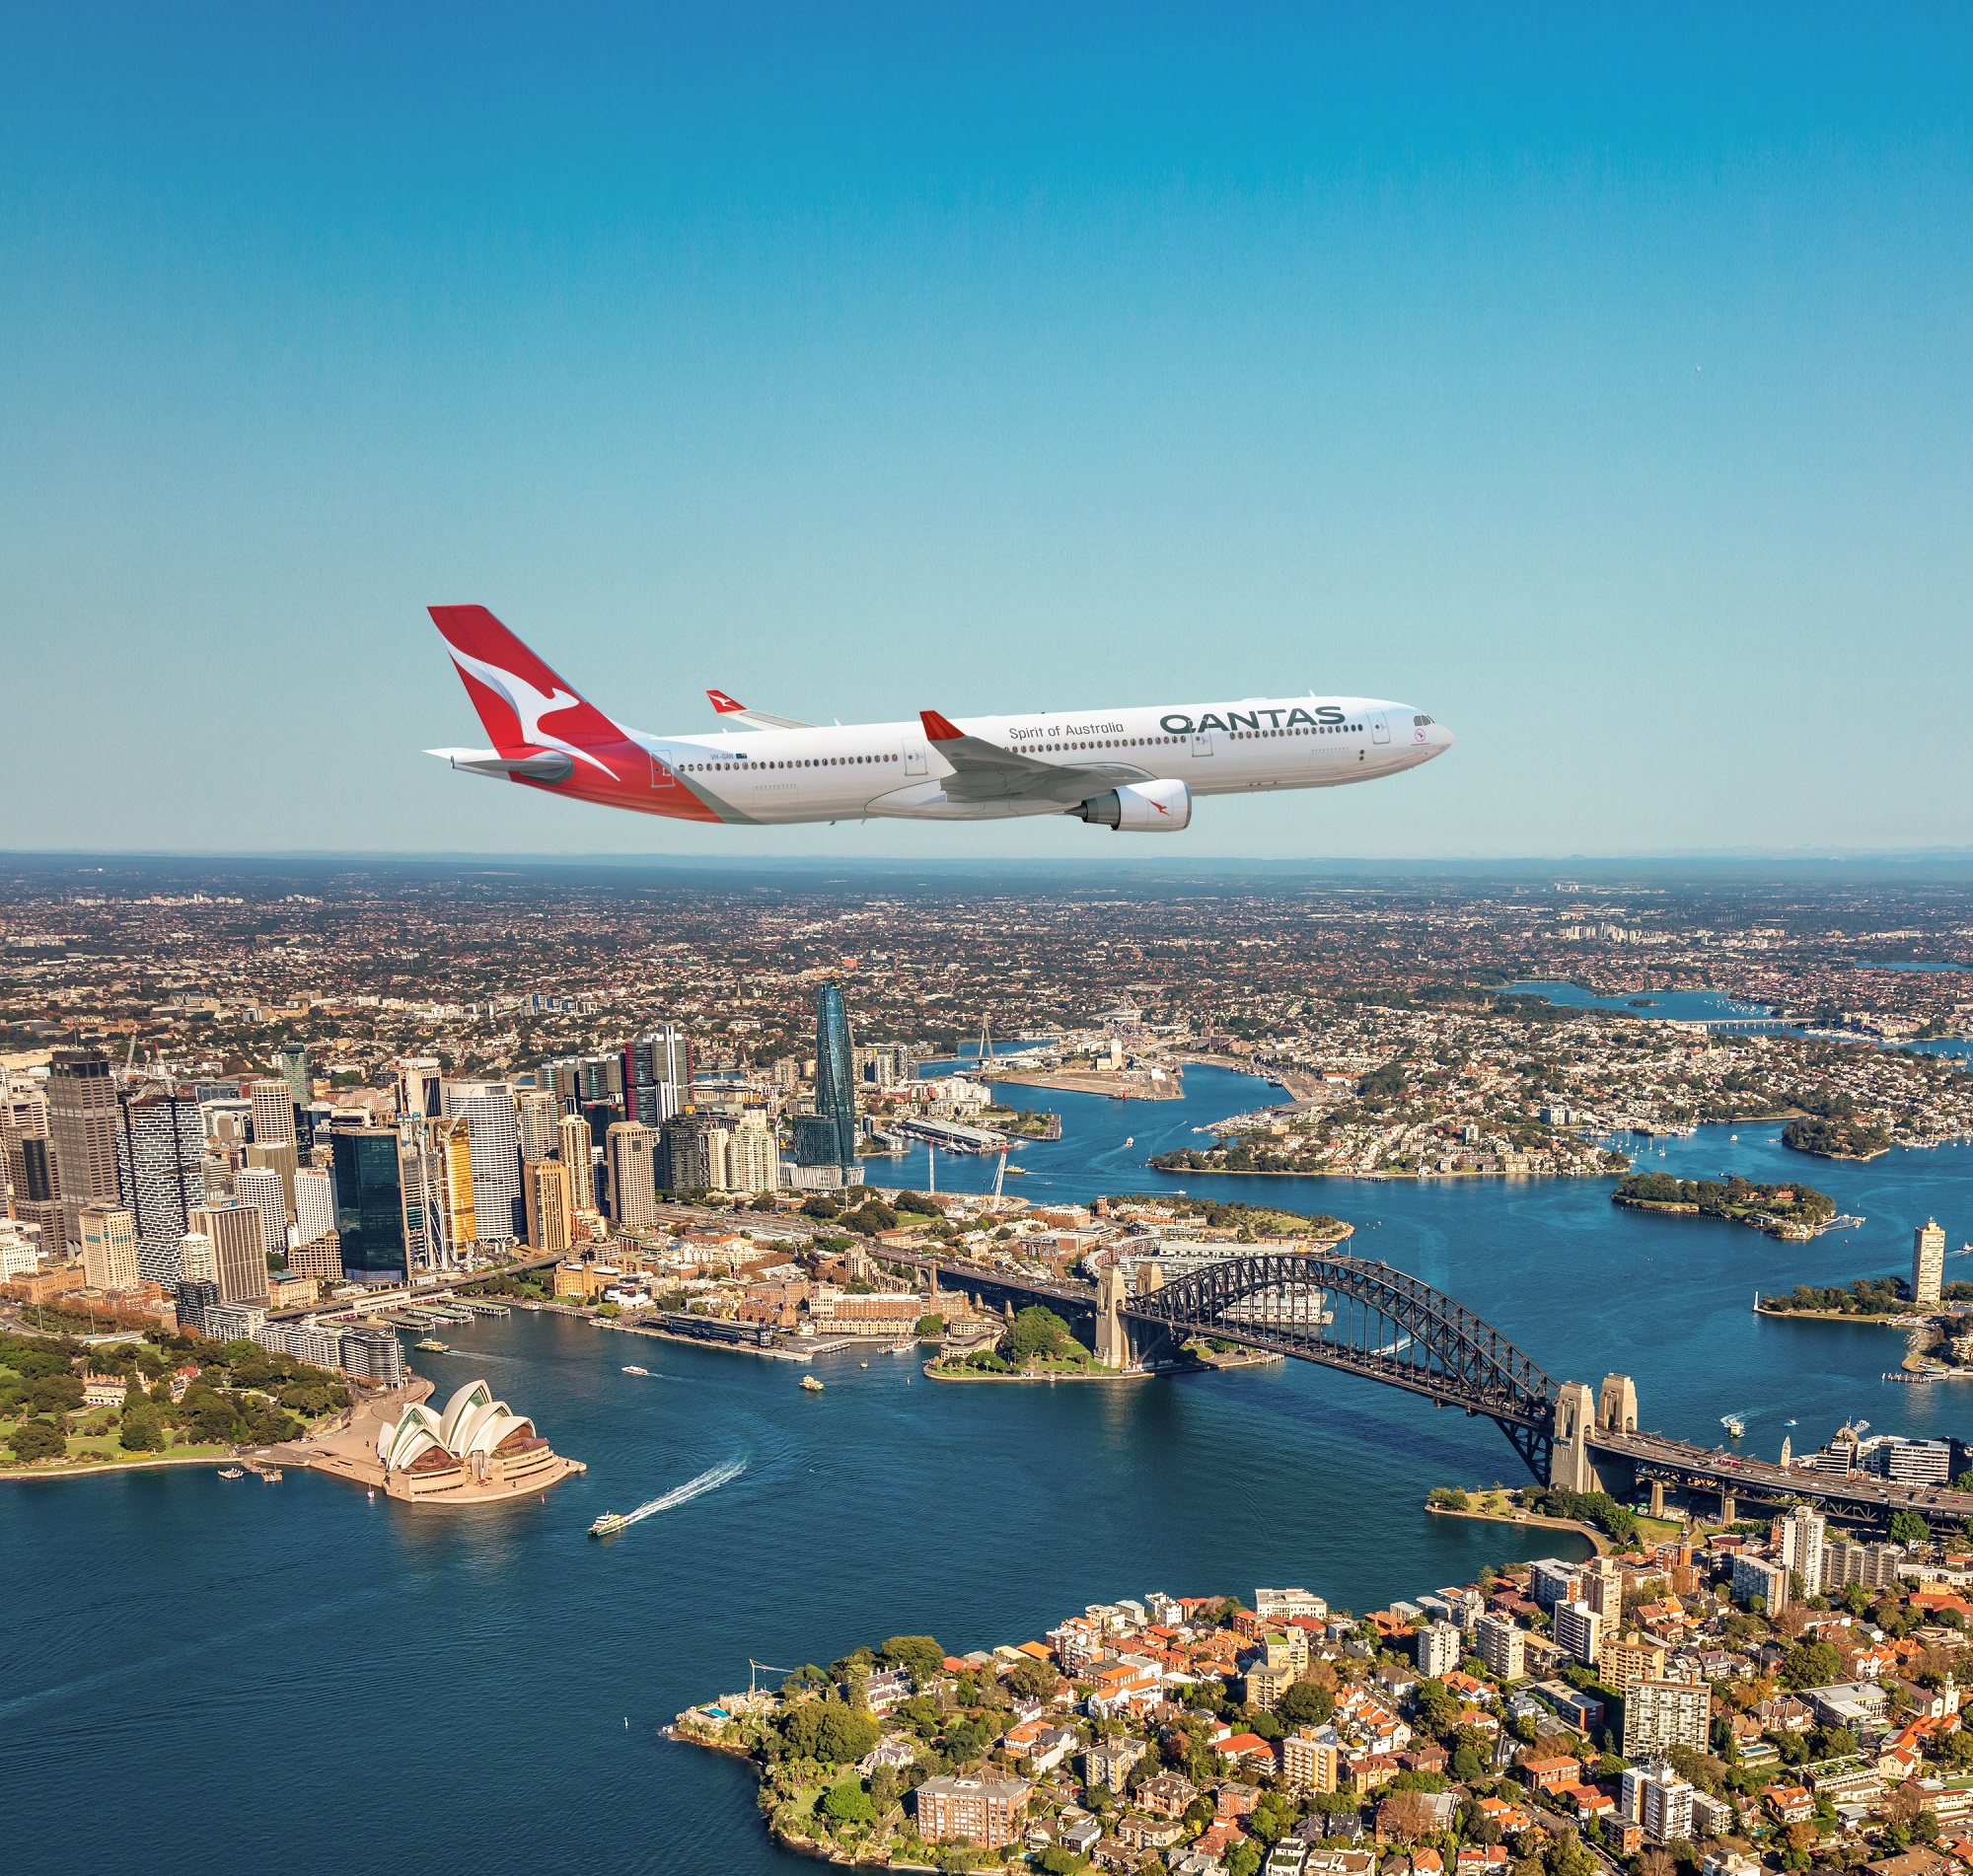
[1589, 1530]
[930, 1371]
[79, 1468]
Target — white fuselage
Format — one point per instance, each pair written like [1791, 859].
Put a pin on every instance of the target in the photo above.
[893, 771]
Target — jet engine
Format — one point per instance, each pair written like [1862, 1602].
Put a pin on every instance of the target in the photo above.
[1152, 807]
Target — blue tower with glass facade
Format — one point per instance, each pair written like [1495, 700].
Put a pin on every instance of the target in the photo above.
[834, 1081]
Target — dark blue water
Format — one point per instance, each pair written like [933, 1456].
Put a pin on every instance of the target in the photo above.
[1658, 1007]
[314, 1679]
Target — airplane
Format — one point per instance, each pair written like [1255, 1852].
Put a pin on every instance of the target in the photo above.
[1134, 770]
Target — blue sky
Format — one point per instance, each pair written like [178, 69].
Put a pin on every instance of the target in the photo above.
[1597, 378]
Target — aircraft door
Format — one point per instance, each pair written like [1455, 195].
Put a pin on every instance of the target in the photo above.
[1202, 742]
[1380, 728]
[914, 759]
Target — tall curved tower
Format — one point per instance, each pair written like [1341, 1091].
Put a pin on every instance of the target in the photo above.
[835, 1078]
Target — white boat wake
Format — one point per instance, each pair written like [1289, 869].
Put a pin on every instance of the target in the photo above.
[693, 1488]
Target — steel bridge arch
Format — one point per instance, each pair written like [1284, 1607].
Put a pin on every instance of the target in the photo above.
[1367, 1319]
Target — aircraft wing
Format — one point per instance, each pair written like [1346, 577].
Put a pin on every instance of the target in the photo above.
[739, 713]
[984, 771]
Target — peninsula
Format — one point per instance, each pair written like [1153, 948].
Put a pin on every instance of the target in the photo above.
[1765, 1696]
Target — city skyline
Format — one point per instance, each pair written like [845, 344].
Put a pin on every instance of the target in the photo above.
[1597, 382]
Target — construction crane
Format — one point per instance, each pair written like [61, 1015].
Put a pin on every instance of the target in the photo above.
[755, 1668]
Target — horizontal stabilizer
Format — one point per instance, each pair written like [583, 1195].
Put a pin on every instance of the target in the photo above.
[736, 712]
[537, 764]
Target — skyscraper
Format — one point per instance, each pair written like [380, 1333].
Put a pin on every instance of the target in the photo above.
[694, 1154]
[27, 1162]
[551, 1206]
[261, 1187]
[109, 1248]
[657, 1075]
[418, 1087]
[835, 1073]
[82, 1130]
[239, 1250]
[1928, 1264]
[274, 1111]
[1800, 1536]
[315, 1204]
[462, 1224]
[578, 1155]
[537, 1114]
[291, 1062]
[630, 1150]
[753, 1164]
[495, 1129]
[160, 1148]
[369, 1200]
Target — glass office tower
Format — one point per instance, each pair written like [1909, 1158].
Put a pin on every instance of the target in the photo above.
[835, 1076]
[369, 1200]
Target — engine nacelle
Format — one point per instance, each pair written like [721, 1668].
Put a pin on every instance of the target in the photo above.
[1152, 806]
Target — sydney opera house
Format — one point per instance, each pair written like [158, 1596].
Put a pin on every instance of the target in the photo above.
[476, 1450]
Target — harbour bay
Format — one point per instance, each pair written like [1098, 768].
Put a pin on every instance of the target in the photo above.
[457, 1691]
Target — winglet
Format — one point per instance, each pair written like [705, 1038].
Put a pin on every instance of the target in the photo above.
[937, 729]
[725, 705]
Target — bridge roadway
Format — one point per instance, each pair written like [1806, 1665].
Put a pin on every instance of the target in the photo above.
[1654, 1456]
[1402, 1333]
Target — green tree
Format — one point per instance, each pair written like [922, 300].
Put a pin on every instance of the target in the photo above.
[920, 1656]
[1908, 1528]
[1037, 1331]
[37, 1439]
[932, 1327]
[1306, 1704]
[1032, 1680]
[1243, 1859]
[143, 1430]
[846, 1735]
[849, 1803]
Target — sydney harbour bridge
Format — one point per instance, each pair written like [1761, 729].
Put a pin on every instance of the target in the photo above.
[1369, 1319]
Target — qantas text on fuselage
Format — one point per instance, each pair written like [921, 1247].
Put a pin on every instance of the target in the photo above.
[1135, 770]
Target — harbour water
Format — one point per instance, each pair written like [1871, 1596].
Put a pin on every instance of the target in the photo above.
[312, 1680]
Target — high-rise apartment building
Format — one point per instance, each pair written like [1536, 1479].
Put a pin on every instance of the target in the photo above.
[1799, 1538]
[27, 1159]
[1760, 1576]
[694, 1154]
[1438, 1647]
[657, 1075]
[369, 1200]
[109, 1248]
[579, 1154]
[551, 1206]
[274, 1111]
[315, 1203]
[1928, 1264]
[1503, 1646]
[460, 1223]
[1656, 1798]
[419, 1093]
[753, 1164]
[1661, 1714]
[835, 1073]
[198, 1261]
[239, 1250]
[493, 1129]
[82, 1131]
[291, 1064]
[1578, 1631]
[261, 1187]
[160, 1148]
[630, 1151]
[536, 1116]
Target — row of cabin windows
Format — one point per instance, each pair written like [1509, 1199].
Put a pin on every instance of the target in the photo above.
[1052, 749]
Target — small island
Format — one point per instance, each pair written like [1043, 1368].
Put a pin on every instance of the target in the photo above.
[1837, 1139]
[1782, 1211]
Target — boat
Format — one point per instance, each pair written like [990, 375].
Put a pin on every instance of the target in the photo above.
[431, 1346]
[1733, 1423]
[863, 1364]
[810, 1385]
[633, 1368]
[271, 1474]
[900, 1348]
[1130, 1139]
[608, 1524]
[231, 1471]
